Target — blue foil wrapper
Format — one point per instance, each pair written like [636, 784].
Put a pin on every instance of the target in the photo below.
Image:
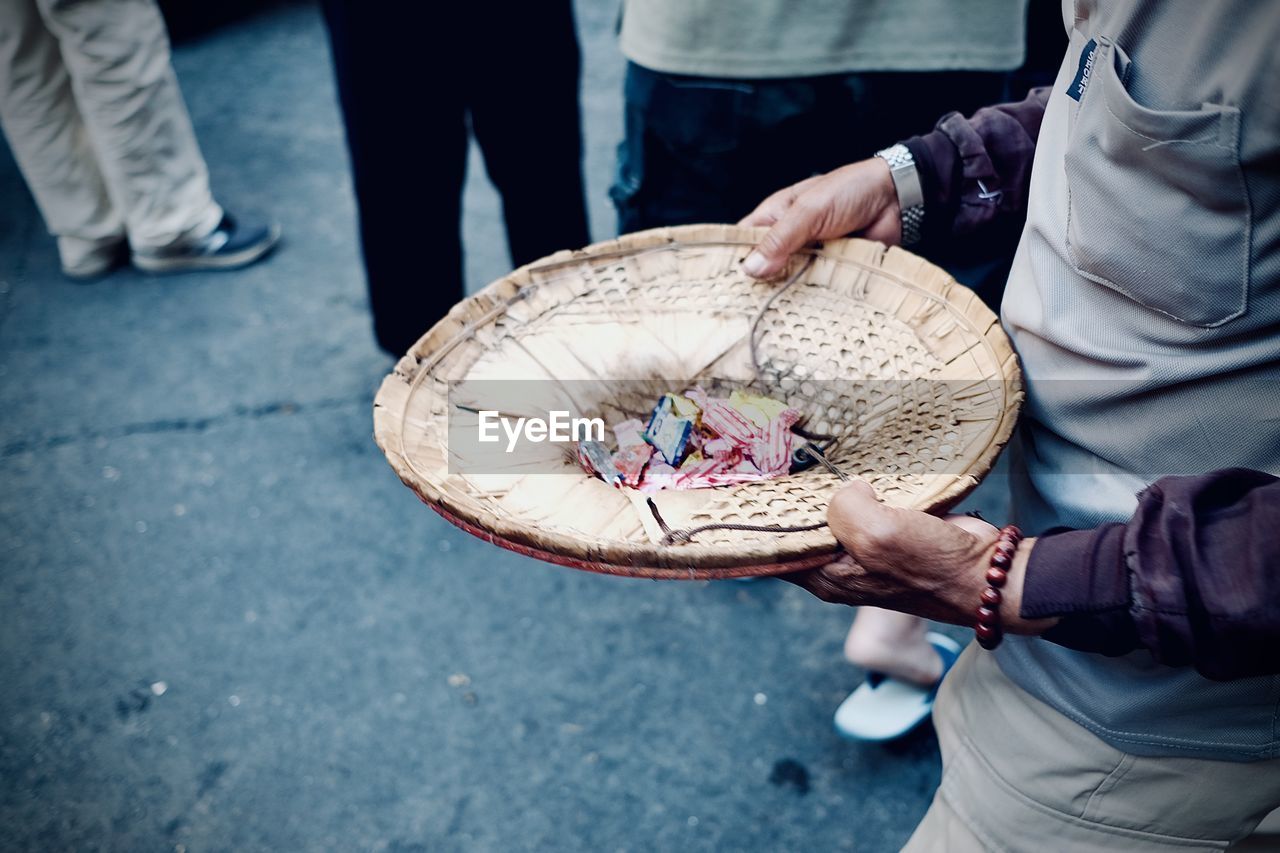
[668, 433]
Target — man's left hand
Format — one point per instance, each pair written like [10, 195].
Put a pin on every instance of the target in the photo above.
[914, 562]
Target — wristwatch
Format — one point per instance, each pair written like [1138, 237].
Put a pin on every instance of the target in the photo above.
[902, 166]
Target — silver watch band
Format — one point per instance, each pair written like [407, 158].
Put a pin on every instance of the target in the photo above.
[902, 167]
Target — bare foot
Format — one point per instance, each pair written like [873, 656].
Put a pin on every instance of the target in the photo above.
[894, 644]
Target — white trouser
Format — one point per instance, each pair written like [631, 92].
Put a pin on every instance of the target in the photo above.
[93, 113]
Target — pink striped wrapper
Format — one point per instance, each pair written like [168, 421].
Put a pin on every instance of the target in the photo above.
[772, 450]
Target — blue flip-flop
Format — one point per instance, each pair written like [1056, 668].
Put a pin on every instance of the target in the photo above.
[884, 708]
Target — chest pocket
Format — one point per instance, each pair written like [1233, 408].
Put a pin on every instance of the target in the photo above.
[1157, 206]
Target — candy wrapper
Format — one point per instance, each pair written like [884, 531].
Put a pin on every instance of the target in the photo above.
[759, 410]
[659, 476]
[696, 441]
[771, 451]
[633, 453]
[596, 458]
[629, 432]
[631, 462]
[723, 419]
[684, 407]
[668, 432]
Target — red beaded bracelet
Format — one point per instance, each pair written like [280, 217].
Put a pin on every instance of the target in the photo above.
[988, 628]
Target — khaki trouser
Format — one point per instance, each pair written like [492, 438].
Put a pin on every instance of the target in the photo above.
[93, 113]
[1019, 776]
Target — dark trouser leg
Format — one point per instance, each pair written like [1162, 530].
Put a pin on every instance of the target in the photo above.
[408, 187]
[523, 97]
[703, 149]
[679, 161]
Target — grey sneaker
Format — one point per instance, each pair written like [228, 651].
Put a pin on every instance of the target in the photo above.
[230, 246]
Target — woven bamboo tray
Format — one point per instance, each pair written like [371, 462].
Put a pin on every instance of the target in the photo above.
[904, 366]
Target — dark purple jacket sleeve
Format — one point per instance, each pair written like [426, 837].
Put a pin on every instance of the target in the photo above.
[1193, 576]
[976, 170]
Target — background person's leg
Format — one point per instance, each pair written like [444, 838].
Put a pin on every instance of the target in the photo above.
[408, 186]
[893, 644]
[117, 53]
[705, 149]
[523, 101]
[49, 141]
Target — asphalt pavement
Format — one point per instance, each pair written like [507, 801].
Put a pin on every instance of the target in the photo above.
[226, 625]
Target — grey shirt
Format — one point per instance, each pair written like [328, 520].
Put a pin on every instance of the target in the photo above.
[1144, 303]
[802, 38]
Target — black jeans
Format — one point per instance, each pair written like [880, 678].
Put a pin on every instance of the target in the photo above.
[702, 149]
[410, 76]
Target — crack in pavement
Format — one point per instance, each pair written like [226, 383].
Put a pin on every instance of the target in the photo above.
[172, 425]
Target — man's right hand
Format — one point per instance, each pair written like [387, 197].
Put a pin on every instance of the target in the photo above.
[857, 198]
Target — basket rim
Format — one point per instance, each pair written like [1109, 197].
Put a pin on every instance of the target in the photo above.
[645, 559]
[637, 571]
